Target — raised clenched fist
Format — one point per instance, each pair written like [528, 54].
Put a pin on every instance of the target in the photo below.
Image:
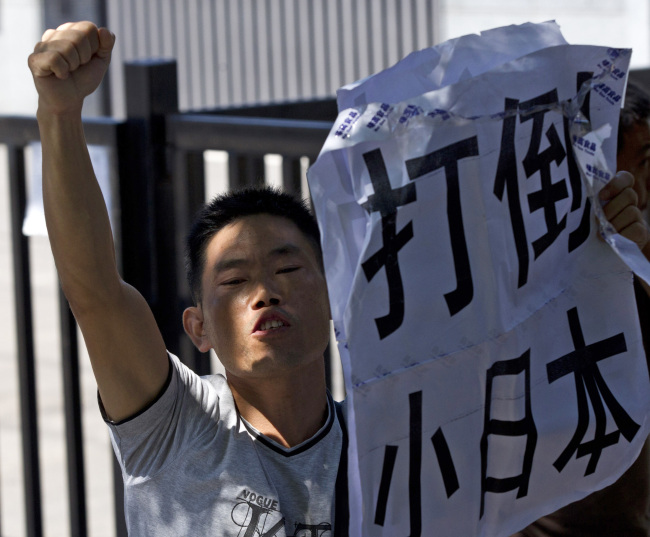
[69, 63]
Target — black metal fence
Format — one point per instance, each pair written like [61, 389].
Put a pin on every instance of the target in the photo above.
[159, 169]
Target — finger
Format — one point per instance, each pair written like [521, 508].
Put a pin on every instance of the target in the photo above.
[87, 42]
[620, 181]
[47, 63]
[83, 35]
[64, 26]
[619, 203]
[86, 46]
[84, 30]
[75, 42]
[630, 224]
[106, 43]
[637, 233]
[82, 26]
[56, 49]
[48, 34]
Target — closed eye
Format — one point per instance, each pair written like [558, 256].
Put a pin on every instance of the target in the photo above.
[286, 270]
[234, 281]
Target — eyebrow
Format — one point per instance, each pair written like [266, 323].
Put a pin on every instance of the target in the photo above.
[284, 250]
[238, 262]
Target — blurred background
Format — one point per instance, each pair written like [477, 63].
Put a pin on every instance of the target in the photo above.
[229, 53]
[249, 51]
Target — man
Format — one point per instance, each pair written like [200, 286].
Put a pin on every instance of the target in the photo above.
[253, 454]
[257, 454]
[624, 507]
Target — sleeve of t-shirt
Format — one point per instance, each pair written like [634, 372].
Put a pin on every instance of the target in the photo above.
[186, 409]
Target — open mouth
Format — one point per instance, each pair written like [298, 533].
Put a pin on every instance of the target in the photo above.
[270, 322]
[271, 325]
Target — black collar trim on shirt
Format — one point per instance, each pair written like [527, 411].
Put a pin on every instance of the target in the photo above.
[331, 413]
[341, 502]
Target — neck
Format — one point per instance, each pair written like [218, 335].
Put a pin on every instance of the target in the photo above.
[288, 408]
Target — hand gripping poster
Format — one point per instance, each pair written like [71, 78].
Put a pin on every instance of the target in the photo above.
[483, 307]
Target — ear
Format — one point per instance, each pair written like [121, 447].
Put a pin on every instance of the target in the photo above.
[193, 324]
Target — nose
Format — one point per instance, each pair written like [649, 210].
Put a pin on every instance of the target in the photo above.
[266, 294]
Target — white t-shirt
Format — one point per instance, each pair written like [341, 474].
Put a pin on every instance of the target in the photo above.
[192, 467]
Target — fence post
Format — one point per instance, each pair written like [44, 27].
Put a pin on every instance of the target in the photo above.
[151, 93]
[187, 195]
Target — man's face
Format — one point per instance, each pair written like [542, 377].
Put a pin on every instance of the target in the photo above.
[634, 157]
[265, 306]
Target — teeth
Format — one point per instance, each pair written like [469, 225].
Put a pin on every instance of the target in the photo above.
[268, 325]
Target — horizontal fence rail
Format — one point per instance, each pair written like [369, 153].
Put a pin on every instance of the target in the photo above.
[287, 137]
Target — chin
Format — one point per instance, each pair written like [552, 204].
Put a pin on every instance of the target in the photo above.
[273, 366]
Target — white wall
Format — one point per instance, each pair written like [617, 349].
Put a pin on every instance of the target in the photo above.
[620, 23]
[20, 23]
[615, 23]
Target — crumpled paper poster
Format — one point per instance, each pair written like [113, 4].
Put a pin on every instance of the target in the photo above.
[490, 341]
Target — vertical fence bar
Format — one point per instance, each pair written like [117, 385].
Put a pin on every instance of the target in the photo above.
[189, 196]
[291, 175]
[25, 344]
[73, 426]
[245, 170]
[151, 92]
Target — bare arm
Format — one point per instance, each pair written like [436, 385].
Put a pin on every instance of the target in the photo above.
[125, 346]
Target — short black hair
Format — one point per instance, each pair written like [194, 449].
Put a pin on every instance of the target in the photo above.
[635, 110]
[227, 208]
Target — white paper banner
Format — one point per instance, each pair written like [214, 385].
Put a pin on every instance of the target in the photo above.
[490, 342]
